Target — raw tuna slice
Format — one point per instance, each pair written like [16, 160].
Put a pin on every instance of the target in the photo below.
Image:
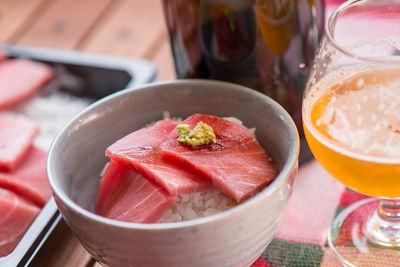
[236, 164]
[140, 150]
[16, 214]
[20, 79]
[16, 135]
[125, 195]
[2, 55]
[29, 180]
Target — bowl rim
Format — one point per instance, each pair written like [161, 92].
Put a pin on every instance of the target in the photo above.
[290, 164]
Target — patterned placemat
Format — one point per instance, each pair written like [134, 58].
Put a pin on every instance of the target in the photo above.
[301, 239]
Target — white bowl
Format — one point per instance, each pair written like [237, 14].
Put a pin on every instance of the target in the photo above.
[235, 237]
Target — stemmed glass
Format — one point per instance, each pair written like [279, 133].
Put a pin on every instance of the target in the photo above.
[351, 116]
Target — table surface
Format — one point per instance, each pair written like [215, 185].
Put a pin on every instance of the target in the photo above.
[136, 29]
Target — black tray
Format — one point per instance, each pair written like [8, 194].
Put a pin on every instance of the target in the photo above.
[84, 75]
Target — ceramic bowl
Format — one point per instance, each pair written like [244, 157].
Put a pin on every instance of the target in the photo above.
[236, 237]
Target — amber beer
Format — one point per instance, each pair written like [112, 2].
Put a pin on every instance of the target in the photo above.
[352, 125]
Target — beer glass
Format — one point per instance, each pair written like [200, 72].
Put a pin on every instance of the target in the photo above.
[351, 118]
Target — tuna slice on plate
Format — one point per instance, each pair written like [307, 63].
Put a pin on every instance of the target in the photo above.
[16, 214]
[140, 150]
[236, 164]
[125, 195]
[2, 55]
[20, 79]
[16, 135]
[29, 180]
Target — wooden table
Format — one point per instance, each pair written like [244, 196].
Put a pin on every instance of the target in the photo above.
[127, 28]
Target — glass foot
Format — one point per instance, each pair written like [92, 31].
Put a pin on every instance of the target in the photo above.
[358, 237]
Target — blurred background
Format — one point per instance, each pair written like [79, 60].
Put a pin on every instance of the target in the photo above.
[118, 27]
[127, 28]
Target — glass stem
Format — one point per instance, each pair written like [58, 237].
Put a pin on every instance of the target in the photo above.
[383, 228]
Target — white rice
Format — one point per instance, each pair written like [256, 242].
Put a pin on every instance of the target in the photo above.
[52, 112]
[197, 205]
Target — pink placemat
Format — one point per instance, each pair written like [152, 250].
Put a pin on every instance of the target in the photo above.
[302, 236]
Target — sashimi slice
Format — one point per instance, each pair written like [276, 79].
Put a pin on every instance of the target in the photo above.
[20, 79]
[236, 164]
[16, 214]
[125, 195]
[29, 180]
[16, 136]
[140, 150]
[2, 55]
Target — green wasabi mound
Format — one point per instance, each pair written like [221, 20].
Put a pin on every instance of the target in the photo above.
[202, 134]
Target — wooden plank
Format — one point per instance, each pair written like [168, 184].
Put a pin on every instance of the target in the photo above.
[62, 249]
[64, 23]
[164, 61]
[132, 30]
[14, 14]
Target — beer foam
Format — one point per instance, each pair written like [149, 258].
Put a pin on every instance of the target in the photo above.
[365, 121]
